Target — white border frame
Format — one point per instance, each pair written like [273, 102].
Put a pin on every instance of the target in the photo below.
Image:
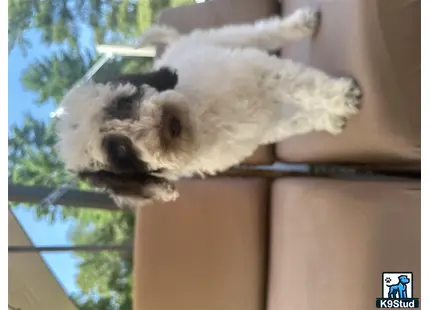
[425, 210]
[425, 151]
[4, 154]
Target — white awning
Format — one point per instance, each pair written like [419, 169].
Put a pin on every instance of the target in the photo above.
[32, 285]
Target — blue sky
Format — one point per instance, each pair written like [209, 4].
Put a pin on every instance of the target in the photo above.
[41, 233]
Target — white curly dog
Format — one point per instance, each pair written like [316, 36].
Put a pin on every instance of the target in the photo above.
[214, 96]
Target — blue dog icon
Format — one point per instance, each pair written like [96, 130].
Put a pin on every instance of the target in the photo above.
[399, 290]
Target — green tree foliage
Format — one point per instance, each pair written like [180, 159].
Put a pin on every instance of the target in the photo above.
[56, 19]
[104, 278]
[63, 21]
[34, 140]
[50, 77]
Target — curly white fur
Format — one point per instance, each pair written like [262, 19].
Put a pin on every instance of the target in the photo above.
[231, 97]
[242, 97]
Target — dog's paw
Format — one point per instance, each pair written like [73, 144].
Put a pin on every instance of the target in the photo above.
[167, 193]
[169, 71]
[169, 76]
[354, 93]
[163, 191]
[305, 21]
[344, 96]
[333, 124]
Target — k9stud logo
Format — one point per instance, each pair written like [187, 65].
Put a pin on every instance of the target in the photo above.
[397, 291]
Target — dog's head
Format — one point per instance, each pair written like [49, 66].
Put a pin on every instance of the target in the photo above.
[404, 279]
[130, 135]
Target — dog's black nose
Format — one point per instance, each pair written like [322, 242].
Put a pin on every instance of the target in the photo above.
[122, 156]
[116, 146]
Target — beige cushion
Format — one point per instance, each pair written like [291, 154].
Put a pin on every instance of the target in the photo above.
[205, 251]
[377, 42]
[217, 13]
[331, 241]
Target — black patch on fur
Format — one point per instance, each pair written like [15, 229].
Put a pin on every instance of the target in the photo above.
[176, 132]
[131, 185]
[171, 127]
[163, 79]
[125, 175]
[125, 107]
[122, 156]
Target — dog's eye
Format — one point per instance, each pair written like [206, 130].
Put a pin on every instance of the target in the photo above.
[124, 103]
[122, 107]
[171, 124]
[175, 127]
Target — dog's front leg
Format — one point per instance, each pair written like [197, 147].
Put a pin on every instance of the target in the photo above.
[330, 101]
[266, 34]
[311, 100]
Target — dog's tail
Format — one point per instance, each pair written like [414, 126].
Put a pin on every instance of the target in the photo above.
[158, 34]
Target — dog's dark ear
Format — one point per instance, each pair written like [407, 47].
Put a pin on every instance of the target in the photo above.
[132, 190]
[162, 79]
